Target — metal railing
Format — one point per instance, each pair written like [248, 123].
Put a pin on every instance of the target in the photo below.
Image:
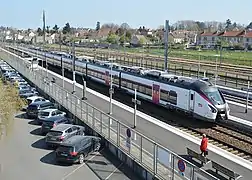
[158, 160]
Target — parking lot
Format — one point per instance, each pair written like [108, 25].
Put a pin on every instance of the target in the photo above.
[24, 155]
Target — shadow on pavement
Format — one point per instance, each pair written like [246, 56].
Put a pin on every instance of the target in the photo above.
[36, 132]
[21, 116]
[50, 159]
[40, 144]
[33, 122]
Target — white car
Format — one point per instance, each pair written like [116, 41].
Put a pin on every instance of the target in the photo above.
[35, 99]
[47, 113]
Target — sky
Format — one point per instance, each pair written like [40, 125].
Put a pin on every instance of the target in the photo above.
[85, 13]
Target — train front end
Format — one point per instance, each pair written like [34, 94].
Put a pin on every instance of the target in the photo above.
[217, 103]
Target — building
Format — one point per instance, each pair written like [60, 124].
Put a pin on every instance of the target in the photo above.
[241, 37]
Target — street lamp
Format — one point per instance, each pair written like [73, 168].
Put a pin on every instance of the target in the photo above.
[136, 102]
[73, 59]
[111, 91]
[216, 68]
[246, 109]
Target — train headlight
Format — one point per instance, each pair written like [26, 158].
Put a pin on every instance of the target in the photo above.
[213, 110]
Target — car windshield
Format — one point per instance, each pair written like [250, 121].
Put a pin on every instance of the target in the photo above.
[54, 133]
[214, 95]
[44, 113]
[29, 101]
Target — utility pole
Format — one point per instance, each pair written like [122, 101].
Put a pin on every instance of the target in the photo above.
[246, 110]
[136, 102]
[73, 58]
[62, 64]
[111, 91]
[84, 94]
[166, 35]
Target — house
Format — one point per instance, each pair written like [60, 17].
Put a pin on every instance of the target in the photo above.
[242, 37]
[138, 40]
[40, 39]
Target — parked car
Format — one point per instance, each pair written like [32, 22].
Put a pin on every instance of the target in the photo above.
[62, 132]
[33, 99]
[54, 121]
[43, 115]
[77, 148]
[26, 95]
[33, 108]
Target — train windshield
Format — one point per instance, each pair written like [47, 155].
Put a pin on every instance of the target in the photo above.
[214, 96]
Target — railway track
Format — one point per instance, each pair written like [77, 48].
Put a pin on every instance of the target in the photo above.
[235, 141]
[226, 138]
[203, 63]
[238, 99]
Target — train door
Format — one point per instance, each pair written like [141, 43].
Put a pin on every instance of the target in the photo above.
[107, 79]
[191, 100]
[155, 93]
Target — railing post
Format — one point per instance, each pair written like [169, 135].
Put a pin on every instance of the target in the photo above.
[118, 133]
[141, 149]
[110, 119]
[155, 159]
[101, 123]
[93, 117]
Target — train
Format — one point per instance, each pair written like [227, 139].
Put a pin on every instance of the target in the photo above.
[198, 98]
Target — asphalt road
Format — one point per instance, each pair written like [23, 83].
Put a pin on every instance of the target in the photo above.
[24, 155]
[166, 138]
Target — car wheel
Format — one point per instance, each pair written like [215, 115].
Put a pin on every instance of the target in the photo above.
[98, 146]
[81, 159]
[82, 133]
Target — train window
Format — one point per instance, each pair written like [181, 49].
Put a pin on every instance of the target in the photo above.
[99, 75]
[116, 80]
[163, 96]
[191, 97]
[149, 91]
[124, 83]
[141, 89]
[129, 85]
[135, 86]
[173, 97]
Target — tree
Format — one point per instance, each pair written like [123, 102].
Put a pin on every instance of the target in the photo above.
[112, 38]
[249, 26]
[48, 29]
[125, 26]
[228, 24]
[55, 28]
[66, 28]
[234, 25]
[39, 31]
[142, 41]
[98, 26]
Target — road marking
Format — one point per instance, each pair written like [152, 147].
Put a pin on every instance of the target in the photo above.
[69, 174]
[113, 171]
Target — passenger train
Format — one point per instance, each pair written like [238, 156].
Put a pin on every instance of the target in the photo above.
[197, 97]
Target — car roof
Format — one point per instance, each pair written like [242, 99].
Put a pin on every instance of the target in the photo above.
[49, 110]
[76, 139]
[41, 102]
[55, 118]
[34, 97]
[61, 127]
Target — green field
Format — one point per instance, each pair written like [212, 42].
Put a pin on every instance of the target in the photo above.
[229, 57]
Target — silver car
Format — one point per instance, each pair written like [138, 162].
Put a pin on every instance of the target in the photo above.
[43, 115]
[62, 132]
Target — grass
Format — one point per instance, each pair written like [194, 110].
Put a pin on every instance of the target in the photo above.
[10, 104]
[228, 57]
